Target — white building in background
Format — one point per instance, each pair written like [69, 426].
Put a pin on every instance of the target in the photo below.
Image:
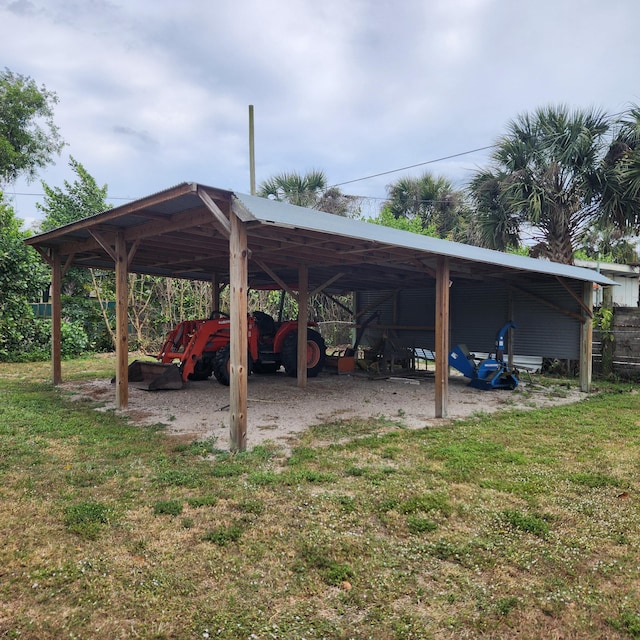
[627, 277]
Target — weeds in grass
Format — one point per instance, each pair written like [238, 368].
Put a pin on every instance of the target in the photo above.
[86, 518]
[532, 523]
[202, 501]
[417, 525]
[223, 535]
[628, 622]
[167, 508]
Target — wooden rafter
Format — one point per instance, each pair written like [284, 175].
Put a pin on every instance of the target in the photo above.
[220, 220]
[585, 308]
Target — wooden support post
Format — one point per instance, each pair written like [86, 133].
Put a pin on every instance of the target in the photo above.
[122, 323]
[586, 340]
[238, 272]
[56, 318]
[510, 335]
[303, 319]
[442, 337]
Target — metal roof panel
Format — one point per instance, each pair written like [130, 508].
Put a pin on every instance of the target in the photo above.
[287, 215]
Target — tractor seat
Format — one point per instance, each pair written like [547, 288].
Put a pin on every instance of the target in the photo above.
[266, 324]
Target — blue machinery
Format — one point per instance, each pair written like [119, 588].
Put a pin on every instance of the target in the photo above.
[491, 373]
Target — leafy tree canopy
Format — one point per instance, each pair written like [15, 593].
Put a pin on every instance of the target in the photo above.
[432, 205]
[387, 218]
[77, 200]
[23, 276]
[28, 136]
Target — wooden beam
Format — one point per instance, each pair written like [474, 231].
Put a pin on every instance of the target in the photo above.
[220, 220]
[588, 310]
[303, 319]
[338, 303]
[67, 264]
[326, 284]
[399, 327]
[178, 222]
[56, 318]
[241, 211]
[103, 243]
[442, 337]
[45, 254]
[586, 339]
[238, 272]
[122, 324]
[274, 276]
[132, 252]
[111, 215]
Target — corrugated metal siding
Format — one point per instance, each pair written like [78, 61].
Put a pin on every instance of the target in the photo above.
[478, 312]
[543, 331]
[413, 307]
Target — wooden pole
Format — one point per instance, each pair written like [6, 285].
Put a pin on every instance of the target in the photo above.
[56, 318]
[442, 337]
[122, 323]
[303, 319]
[586, 340]
[510, 336]
[238, 272]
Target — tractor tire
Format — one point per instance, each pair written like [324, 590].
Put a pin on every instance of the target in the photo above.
[202, 370]
[315, 353]
[222, 365]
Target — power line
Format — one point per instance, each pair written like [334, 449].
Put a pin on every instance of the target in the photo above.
[413, 166]
[339, 184]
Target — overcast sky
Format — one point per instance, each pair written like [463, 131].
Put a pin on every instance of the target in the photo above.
[156, 92]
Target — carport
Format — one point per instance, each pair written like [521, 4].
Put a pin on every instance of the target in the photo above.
[198, 232]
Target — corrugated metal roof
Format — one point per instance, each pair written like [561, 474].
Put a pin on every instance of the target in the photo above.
[175, 235]
[287, 215]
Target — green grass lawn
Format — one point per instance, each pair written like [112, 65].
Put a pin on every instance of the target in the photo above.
[512, 525]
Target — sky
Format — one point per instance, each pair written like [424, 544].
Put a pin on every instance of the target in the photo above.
[153, 93]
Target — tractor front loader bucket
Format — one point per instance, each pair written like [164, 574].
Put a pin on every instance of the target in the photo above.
[155, 376]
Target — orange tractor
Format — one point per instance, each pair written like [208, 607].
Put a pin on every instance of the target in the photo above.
[196, 349]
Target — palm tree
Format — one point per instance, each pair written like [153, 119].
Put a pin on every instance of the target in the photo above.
[547, 177]
[302, 190]
[431, 199]
[621, 179]
[309, 190]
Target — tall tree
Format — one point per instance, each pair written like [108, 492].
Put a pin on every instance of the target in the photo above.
[433, 201]
[77, 200]
[547, 177]
[28, 136]
[310, 190]
[23, 276]
[621, 176]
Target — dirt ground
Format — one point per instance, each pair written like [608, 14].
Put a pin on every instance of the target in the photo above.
[278, 410]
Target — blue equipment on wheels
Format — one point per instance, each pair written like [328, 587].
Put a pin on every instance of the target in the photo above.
[490, 373]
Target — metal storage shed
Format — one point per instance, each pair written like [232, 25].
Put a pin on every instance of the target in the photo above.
[203, 233]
